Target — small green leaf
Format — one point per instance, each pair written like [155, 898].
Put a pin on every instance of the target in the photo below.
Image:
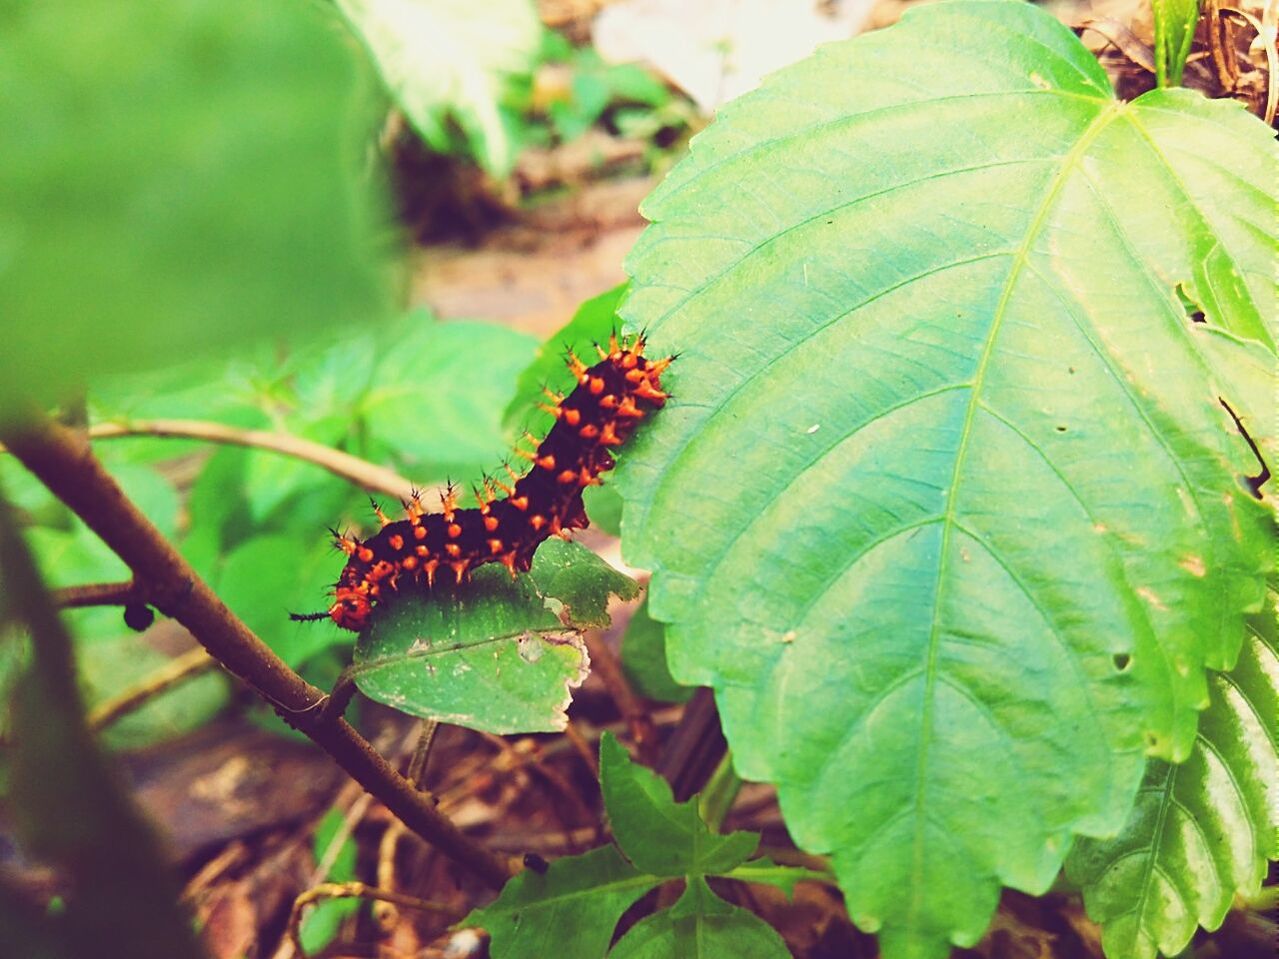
[701, 926]
[593, 323]
[1174, 34]
[568, 912]
[644, 659]
[578, 584]
[196, 162]
[321, 922]
[442, 60]
[500, 654]
[1201, 832]
[657, 834]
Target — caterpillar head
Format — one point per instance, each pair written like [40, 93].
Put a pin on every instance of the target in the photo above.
[350, 609]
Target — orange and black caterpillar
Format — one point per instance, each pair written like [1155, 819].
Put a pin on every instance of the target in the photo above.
[611, 397]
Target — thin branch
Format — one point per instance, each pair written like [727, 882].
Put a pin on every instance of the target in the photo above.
[337, 890]
[192, 663]
[97, 594]
[374, 478]
[65, 463]
[606, 665]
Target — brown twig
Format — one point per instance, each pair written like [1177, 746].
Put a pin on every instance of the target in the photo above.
[582, 748]
[605, 663]
[386, 914]
[191, 663]
[64, 462]
[374, 478]
[416, 773]
[340, 890]
[97, 594]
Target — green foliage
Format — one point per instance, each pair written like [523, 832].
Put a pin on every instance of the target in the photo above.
[701, 926]
[1174, 33]
[597, 86]
[568, 911]
[573, 907]
[320, 924]
[418, 395]
[500, 655]
[644, 659]
[68, 806]
[1201, 832]
[156, 204]
[110, 663]
[968, 521]
[449, 63]
[657, 834]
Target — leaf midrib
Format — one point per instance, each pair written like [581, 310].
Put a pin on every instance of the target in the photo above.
[370, 665]
[1020, 258]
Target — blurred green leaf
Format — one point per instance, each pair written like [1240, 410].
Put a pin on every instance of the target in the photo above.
[499, 655]
[445, 61]
[68, 804]
[439, 392]
[596, 86]
[568, 912]
[74, 555]
[179, 177]
[657, 834]
[321, 922]
[110, 665]
[701, 925]
[267, 577]
[644, 659]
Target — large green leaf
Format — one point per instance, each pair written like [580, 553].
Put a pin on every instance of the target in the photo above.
[1202, 831]
[500, 655]
[946, 507]
[445, 60]
[178, 177]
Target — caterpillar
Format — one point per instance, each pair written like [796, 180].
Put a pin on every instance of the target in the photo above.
[510, 521]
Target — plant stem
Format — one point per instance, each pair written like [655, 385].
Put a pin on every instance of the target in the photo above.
[369, 476]
[719, 793]
[97, 594]
[64, 462]
[192, 663]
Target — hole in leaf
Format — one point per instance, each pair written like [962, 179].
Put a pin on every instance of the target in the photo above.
[1122, 661]
[1061, 429]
